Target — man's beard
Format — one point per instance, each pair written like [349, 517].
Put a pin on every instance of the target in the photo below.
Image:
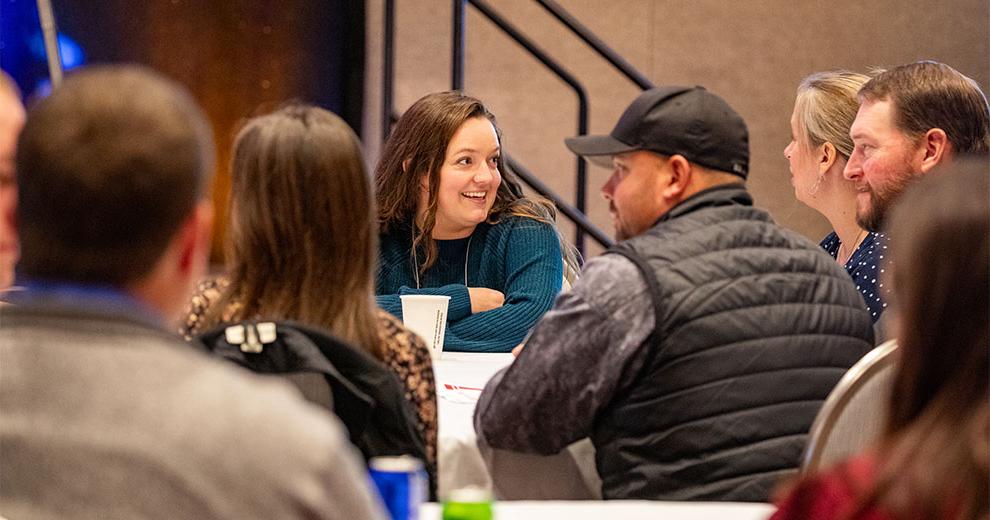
[881, 202]
[872, 220]
[617, 225]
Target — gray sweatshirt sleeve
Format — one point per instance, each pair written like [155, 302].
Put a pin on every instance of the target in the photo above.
[583, 351]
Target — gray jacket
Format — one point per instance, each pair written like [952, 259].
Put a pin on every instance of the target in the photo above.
[107, 416]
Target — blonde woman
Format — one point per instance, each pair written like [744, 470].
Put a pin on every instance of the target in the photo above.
[825, 108]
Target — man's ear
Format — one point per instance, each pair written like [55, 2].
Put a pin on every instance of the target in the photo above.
[195, 239]
[168, 285]
[679, 179]
[935, 147]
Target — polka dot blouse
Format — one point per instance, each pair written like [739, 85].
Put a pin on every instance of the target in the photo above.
[866, 266]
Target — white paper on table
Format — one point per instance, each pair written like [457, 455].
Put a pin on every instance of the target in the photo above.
[458, 394]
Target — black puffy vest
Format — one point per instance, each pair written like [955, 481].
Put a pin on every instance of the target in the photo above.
[754, 326]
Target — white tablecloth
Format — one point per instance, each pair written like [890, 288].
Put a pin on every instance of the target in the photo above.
[460, 377]
[619, 510]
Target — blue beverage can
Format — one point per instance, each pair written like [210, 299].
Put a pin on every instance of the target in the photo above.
[402, 484]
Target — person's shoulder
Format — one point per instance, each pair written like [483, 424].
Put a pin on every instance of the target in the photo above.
[830, 494]
[390, 240]
[516, 230]
[213, 283]
[512, 221]
[394, 230]
[208, 293]
[394, 246]
[186, 385]
[224, 386]
[875, 245]
[610, 276]
[178, 409]
[609, 264]
[388, 324]
[779, 241]
[203, 384]
[394, 235]
[227, 423]
[225, 401]
[777, 234]
[830, 243]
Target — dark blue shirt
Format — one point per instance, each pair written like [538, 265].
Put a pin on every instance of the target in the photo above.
[519, 257]
[98, 299]
[866, 266]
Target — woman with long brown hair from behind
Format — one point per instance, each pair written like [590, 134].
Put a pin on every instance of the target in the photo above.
[302, 247]
[933, 461]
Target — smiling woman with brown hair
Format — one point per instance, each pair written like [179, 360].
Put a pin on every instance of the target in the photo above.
[453, 223]
[302, 246]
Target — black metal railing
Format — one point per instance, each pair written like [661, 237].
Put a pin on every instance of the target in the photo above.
[457, 78]
[575, 215]
[458, 34]
[388, 69]
[596, 43]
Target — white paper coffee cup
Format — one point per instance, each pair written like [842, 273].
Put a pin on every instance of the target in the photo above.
[426, 315]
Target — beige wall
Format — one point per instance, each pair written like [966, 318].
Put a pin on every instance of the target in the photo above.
[752, 53]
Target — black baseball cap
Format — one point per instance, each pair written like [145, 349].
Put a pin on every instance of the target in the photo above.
[687, 121]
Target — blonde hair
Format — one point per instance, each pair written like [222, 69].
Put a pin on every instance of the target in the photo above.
[826, 107]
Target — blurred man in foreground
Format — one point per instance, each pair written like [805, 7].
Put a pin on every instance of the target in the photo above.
[105, 413]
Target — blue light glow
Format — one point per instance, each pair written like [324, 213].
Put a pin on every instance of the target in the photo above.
[70, 51]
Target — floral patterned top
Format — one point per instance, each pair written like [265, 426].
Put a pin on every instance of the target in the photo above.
[405, 354]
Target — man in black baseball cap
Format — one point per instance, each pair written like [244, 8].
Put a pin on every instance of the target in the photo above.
[691, 122]
[687, 126]
[696, 352]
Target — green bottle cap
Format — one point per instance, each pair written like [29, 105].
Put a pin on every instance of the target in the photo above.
[468, 504]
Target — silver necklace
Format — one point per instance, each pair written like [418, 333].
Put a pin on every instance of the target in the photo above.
[467, 253]
[851, 249]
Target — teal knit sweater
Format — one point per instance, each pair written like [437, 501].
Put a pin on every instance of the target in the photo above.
[518, 256]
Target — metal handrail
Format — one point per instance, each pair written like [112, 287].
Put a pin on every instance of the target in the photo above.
[596, 43]
[388, 68]
[457, 47]
[457, 69]
[49, 31]
[575, 213]
[577, 216]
